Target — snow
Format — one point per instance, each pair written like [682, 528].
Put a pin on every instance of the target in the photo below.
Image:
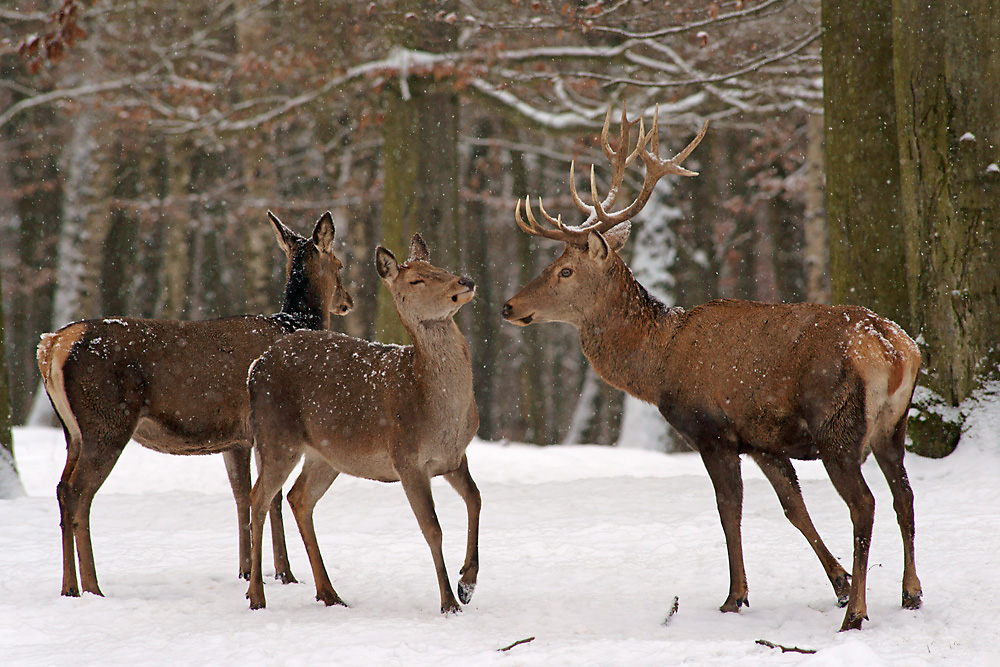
[582, 548]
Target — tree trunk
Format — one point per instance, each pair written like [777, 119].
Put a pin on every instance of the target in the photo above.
[10, 483]
[864, 209]
[420, 153]
[948, 103]
[816, 262]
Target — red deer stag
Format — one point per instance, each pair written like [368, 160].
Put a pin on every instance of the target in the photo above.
[178, 388]
[382, 412]
[774, 381]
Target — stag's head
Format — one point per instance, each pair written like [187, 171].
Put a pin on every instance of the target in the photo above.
[579, 280]
[422, 292]
[312, 266]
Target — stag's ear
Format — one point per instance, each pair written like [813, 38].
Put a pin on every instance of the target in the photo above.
[324, 232]
[618, 235]
[597, 246]
[385, 264]
[286, 237]
[418, 249]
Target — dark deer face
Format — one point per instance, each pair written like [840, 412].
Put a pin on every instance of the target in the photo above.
[313, 266]
[573, 286]
[421, 291]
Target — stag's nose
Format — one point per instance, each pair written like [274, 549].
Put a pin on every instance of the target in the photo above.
[505, 311]
[467, 282]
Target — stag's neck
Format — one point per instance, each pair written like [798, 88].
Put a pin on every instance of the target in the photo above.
[629, 340]
[301, 307]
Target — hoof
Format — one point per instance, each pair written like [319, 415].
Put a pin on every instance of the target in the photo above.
[330, 600]
[245, 576]
[451, 609]
[286, 577]
[842, 587]
[71, 592]
[912, 600]
[734, 605]
[465, 592]
[255, 601]
[853, 622]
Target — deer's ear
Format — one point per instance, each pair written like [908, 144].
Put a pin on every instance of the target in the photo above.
[418, 249]
[385, 264]
[324, 232]
[286, 237]
[597, 246]
[618, 235]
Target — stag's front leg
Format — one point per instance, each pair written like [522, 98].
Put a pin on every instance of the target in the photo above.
[723, 466]
[463, 483]
[417, 486]
[781, 474]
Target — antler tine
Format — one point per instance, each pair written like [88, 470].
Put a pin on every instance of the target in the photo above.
[561, 233]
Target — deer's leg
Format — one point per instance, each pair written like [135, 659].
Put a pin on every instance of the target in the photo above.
[275, 463]
[92, 467]
[417, 486]
[850, 484]
[463, 483]
[723, 466]
[279, 550]
[889, 454]
[238, 469]
[781, 474]
[314, 480]
[67, 505]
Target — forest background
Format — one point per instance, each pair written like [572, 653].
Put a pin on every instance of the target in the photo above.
[851, 157]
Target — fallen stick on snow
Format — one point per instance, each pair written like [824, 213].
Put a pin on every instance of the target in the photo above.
[519, 641]
[673, 610]
[785, 649]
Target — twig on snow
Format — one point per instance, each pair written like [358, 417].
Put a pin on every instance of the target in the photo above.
[673, 610]
[785, 649]
[519, 641]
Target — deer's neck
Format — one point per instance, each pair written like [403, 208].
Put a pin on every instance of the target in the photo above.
[442, 363]
[628, 341]
[302, 307]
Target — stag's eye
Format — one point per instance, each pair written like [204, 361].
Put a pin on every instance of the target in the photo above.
[566, 272]
[418, 281]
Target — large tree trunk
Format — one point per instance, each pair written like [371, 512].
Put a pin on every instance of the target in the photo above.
[420, 152]
[10, 483]
[867, 258]
[948, 103]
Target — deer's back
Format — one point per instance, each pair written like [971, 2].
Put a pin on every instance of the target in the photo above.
[349, 399]
[773, 374]
[186, 380]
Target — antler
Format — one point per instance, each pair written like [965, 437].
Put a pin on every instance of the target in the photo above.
[598, 217]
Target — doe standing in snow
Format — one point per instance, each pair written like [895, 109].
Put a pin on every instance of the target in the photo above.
[774, 381]
[382, 412]
[178, 388]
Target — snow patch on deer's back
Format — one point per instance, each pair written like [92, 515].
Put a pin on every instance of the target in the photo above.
[53, 351]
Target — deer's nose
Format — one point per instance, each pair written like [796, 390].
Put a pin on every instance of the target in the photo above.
[467, 282]
[505, 311]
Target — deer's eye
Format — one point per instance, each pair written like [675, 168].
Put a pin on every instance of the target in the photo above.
[418, 281]
[566, 272]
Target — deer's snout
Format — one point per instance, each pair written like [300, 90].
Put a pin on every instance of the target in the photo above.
[505, 311]
[467, 282]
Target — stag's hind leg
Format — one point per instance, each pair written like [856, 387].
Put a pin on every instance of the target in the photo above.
[889, 454]
[781, 474]
[314, 480]
[463, 483]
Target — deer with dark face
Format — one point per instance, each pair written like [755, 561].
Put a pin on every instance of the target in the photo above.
[178, 388]
[382, 412]
[773, 381]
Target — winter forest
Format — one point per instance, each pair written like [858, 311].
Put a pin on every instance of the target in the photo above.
[852, 157]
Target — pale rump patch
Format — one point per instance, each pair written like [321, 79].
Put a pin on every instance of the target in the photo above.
[889, 368]
[53, 350]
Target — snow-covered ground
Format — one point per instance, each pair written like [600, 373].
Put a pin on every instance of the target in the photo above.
[583, 548]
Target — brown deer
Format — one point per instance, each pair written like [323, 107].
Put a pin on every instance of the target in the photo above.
[178, 388]
[774, 381]
[383, 412]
